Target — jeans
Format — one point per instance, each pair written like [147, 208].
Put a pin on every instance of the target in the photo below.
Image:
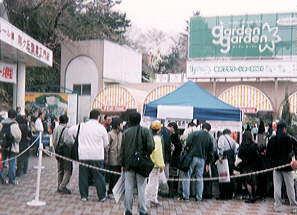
[132, 178]
[278, 178]
[197, 166]
[12, 168]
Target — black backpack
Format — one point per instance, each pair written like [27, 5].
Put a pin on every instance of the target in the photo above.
[6, 138]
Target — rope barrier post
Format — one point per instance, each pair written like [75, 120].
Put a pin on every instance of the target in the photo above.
[36, 201]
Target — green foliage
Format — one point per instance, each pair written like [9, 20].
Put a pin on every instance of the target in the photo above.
[5, 99]
[54, 21]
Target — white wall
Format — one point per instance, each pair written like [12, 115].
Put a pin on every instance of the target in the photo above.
[84, 107]
[82, 70]
[121, 64]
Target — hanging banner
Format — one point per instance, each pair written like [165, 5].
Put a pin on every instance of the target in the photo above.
[23, 42]
[175, 112]
[242, 68]
[8, 72]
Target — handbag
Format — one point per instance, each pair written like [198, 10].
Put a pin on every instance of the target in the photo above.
[140, 162]
[223, 171]
[74, 151]
[185, 160]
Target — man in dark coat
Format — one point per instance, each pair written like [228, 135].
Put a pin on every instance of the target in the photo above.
[280, 152]
[140, 137]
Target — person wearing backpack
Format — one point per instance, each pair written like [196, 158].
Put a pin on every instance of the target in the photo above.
[64, 167]
[22, 164]
[10, 136]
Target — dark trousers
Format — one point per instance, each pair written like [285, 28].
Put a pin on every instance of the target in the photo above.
[113, 178]
[22, 164]
[207, 190]
[64, 173]
[226, 190]
[99, 179]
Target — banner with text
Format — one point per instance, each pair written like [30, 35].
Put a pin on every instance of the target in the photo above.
[259, 35]
[8, 72]
[238, 69]
[23, 42]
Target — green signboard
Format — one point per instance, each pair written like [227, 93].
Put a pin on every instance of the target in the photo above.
[262, 35]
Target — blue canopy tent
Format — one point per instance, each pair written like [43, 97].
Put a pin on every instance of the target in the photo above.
[205, 106]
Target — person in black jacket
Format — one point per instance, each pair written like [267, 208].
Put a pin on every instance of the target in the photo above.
[249, 154]
[22, 162]
[200, 147]
[166, 133]
[135, 139]
[280, 152]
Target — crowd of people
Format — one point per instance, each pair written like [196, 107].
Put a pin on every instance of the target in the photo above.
[107, 143]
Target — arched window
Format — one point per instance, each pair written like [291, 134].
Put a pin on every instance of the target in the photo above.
[244, 96]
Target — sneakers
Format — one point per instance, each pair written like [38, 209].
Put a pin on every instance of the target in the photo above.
[127, 213]
[156, 204]
[65, 191]
[84, 199]
[182, 199]
[251, 200]
[197, 200]
[13, 183]
[294, 211]
[110, 196]
[102, 200]
[278, 209]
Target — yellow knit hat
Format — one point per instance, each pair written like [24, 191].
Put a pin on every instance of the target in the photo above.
[156, 125]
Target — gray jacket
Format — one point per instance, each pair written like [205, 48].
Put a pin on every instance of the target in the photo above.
[16, 133]
[114, 148]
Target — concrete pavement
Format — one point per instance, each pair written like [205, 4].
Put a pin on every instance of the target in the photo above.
[13, 199]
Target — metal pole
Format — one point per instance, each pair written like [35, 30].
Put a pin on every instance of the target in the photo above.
[36, 201]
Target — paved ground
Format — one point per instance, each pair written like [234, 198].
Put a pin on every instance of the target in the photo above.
[13, 200]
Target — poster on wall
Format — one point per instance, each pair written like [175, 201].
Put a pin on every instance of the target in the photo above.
[52, 104]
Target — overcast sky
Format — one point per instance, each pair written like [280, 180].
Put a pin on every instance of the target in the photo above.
[170, 15]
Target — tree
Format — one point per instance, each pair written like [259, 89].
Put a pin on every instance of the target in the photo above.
[53, 21]
[154, 44]
[175, 61]
[286, 114]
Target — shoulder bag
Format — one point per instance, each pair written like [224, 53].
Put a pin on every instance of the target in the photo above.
[59, 147]
[185, 160]
[74, 151]
[230, 155]
[139, 161]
